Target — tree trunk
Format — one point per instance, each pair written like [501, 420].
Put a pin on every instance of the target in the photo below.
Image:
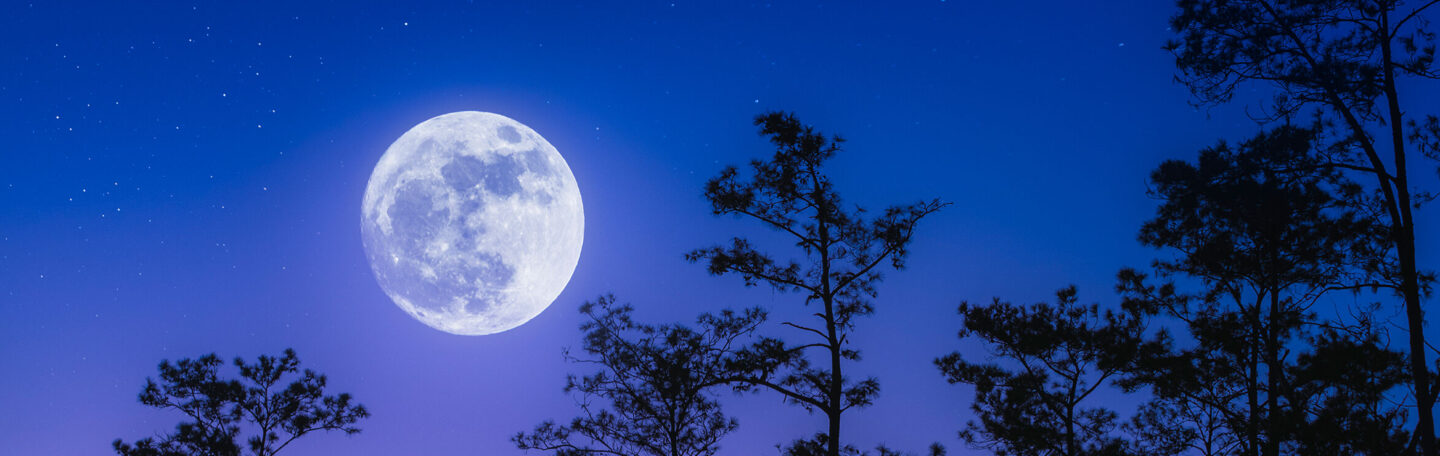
[1070, 405]
[1272, 377]
[827, 295]
[1252, 383]
[1424, 401]
[833, 445]
[1403, 231]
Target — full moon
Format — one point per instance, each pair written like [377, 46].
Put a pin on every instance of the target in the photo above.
[472, 223]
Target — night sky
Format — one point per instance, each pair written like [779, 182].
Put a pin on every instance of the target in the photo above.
[186, 179]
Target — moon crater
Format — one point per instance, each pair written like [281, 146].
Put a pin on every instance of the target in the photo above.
[472, 223]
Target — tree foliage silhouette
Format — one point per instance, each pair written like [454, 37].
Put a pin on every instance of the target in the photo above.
[220, 410]
[1340, 57]
[1336, 397]
[817, 445]
[656, 381]
[1056, 357]
[1345, 383]
[844, 255]
[1266, 230]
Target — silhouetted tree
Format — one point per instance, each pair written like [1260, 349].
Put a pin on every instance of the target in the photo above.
[1040, 401]
[1195, 391]
[1266, 229]
[1180, 426]
[1336, 397]
[816, 445]
[1338, 57]
[655, 381]
[1345, 382]
[220, 410]
[844, 254]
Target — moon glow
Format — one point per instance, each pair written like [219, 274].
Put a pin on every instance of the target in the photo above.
[472, 223]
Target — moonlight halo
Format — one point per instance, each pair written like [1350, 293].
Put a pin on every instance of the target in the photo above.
[472, 223]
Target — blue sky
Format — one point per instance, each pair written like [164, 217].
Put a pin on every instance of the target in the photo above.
[185, 178]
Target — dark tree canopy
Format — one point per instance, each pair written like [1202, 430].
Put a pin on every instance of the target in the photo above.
[219, 411]
[656, 382]
[1339, 58]
[1266, 228]
[844, 254]
[816, 446]
[1333, 391]
[1262, 217]
[1337, 53]
[1040, 399]
[1347, 382]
